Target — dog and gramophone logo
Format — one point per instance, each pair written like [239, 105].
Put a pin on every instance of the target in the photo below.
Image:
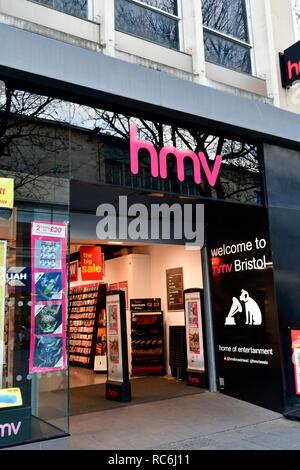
[244, 305]
[247, 305]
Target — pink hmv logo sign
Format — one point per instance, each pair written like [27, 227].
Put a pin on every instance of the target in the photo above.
[9, 429]
[158, 161]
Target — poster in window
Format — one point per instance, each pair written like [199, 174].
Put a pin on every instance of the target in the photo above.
[48, 286]
[47, 254]
[48, 319]
[48, 294]
[48, 352]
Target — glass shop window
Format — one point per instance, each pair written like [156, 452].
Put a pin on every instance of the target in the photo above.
[296, 8]
[33, 268]
[226, 32]
[81, 8]
[153, 20]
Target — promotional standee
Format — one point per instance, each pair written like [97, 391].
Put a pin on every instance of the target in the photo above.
[295, 338]
[194, 319]
[117, 385]
[147, 342]
[48, 310]
[87, 330]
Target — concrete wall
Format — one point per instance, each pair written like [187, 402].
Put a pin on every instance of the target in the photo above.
[98, 34]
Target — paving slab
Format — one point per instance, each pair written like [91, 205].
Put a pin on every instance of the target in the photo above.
[204, 421]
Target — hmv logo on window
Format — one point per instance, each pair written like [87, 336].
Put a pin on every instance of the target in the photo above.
[290, 65]
[158, 160]
[9, 429]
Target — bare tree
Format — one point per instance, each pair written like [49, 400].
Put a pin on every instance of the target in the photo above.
[33, 143]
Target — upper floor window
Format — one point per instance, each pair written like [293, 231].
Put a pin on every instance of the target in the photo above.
[153, 20]
[226, 34]
[80, 8]
[296, 6]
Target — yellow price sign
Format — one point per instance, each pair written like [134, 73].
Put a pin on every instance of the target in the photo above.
[10, 397]
[7, 193]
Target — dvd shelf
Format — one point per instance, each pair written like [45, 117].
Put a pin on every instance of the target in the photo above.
[86, 311]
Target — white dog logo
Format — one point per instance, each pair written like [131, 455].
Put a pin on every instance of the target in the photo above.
[253, 312]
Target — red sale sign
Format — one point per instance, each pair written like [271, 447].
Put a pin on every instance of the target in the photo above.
[91, 263]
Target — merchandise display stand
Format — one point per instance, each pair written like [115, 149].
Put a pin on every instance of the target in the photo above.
[147, 337]
[85, 306]
[118, 386]
[194, 322]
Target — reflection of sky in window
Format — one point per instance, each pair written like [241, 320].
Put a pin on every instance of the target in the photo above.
[296, 4]
[297, 16]
[170, 6]
[226, 16]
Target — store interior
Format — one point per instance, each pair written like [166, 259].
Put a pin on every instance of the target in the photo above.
[142, 271]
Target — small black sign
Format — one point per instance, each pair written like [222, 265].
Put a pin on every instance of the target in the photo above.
[175, 288]
[145, 305]
[290, 65]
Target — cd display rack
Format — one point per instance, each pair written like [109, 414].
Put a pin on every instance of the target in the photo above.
[85, 305]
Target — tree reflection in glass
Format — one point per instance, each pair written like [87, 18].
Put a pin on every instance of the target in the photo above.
[146, 23]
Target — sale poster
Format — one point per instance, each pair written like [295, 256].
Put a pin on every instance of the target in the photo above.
[91, 263]
[48, 310]
[195, 352]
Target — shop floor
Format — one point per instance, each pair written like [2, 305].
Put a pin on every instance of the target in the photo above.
[143, 389]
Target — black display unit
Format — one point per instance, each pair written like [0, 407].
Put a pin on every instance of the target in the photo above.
[86, 303]
[118, 386]
[147, 337]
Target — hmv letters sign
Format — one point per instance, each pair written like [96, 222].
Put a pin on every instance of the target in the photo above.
[245, 307]
[290, 65]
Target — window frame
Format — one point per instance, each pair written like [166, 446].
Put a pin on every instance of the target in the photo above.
[240, 42]
[177, 18]
[296, 11]
[90, 6]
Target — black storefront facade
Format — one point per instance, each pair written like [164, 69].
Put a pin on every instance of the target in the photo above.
[64, 169]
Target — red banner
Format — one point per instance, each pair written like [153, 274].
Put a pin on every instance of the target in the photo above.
[91, 263]
[74, 271]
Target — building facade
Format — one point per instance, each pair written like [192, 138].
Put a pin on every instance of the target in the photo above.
[90, 90]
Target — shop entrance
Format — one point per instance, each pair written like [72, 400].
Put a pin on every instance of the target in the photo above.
[154, 277]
